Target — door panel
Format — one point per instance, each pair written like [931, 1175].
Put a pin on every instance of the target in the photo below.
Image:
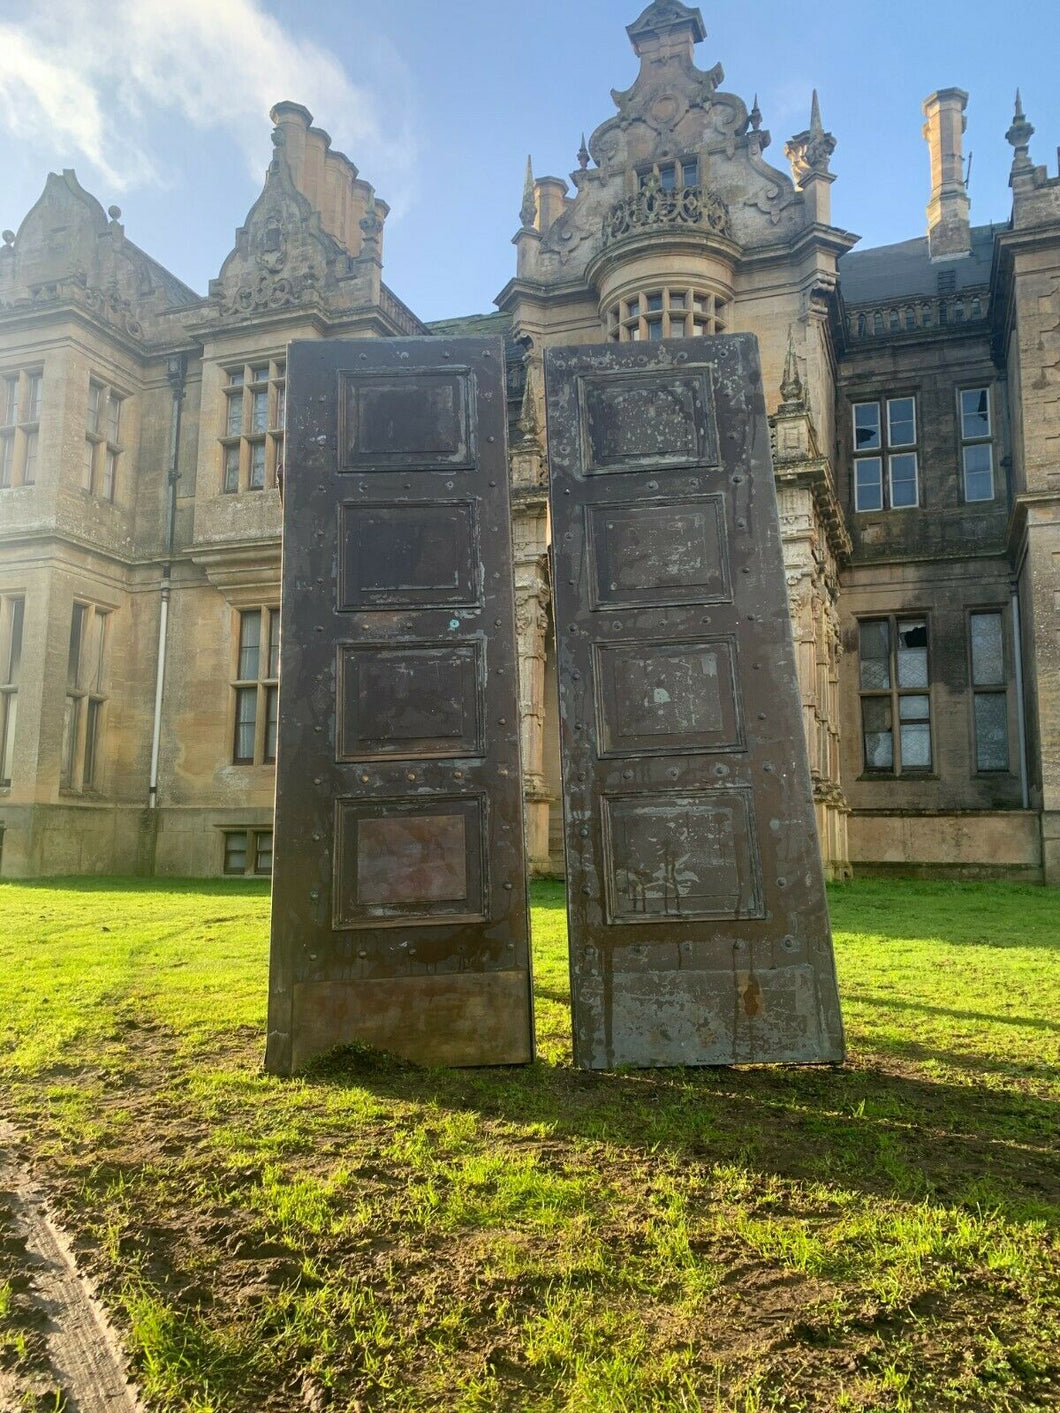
[698, 924]
[399, 887]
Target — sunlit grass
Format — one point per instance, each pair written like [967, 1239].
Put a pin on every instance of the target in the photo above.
[373, 1236]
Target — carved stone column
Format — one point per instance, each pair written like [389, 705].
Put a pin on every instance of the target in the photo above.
[815, 542]
[532, 608]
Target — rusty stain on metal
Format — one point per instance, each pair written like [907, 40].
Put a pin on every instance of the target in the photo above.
[752, 998]
[399, 888]
[689, 825]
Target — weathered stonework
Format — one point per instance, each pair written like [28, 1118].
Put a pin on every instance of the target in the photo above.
[672, 214]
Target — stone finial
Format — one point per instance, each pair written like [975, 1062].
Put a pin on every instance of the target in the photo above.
[527, 425]
[9, 237]
[809, 152]
[664, 17]
[948, 229]
[528, 210]
[792, 392]
[371, 229]
[1019, 135]
[583, 155]
[755, 115]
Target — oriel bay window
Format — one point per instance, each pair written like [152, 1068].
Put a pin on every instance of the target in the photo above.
[668, 312]
[886, 470]
[11, 618]
[80, 763]
[252, 439]
[977, 447]
[895, 695]
[256, 687]
[986, 642]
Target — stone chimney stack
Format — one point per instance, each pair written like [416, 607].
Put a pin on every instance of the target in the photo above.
[949, 233]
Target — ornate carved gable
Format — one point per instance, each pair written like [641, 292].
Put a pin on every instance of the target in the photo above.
[674, 113]
[68, 249]
[283, 256]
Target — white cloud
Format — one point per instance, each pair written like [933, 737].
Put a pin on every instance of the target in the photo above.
[84, 80]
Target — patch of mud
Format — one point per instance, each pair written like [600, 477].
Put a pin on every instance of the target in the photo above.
[57, 1348]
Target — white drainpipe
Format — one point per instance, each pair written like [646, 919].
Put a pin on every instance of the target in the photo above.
[177, 372]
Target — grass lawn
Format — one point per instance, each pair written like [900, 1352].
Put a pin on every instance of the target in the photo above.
[379, 1237]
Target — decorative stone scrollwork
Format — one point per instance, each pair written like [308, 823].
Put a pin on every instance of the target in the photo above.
[654, 207]
[110, 305]
[270, 291]
[106, 304]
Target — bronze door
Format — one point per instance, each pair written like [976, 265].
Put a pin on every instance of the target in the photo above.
[399, 890]
[695, 894]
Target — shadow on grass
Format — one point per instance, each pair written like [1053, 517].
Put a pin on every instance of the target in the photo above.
[93, 883]
[890, 1003]
[889, 1135]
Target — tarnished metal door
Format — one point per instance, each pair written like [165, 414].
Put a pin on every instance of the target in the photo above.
[698, 923]
[399, 891]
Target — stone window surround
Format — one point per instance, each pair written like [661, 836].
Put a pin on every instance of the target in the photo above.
[103, 443]
[251, 453]
[968, 443]
[85, 698]
[21, 392]
[699, 310]
[254, 850]
[892, 695]
[12, 631]
[886, 452]
[258, 690]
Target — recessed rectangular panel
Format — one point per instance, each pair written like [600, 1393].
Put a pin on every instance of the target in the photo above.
[409, 860]
[416, 858]
[658, 698]
[681, 856]
[409, 701]
[658, 553]
[633, 421]
[408, 556]
[414, 420]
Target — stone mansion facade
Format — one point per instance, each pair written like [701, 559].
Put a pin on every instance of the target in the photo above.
[914, 393]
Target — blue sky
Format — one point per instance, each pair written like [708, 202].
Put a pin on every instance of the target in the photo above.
[162, 107]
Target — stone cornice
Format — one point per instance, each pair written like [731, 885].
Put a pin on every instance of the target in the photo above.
[1030, 507]
[816, 477]
[239, 568]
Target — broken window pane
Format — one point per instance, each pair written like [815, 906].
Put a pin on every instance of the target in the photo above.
[912, 654]
[975, 413]
[866, 426]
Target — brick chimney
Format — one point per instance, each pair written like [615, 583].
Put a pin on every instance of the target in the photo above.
[949, 234]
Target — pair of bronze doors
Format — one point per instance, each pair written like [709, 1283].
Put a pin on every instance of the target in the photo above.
[698, 925]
